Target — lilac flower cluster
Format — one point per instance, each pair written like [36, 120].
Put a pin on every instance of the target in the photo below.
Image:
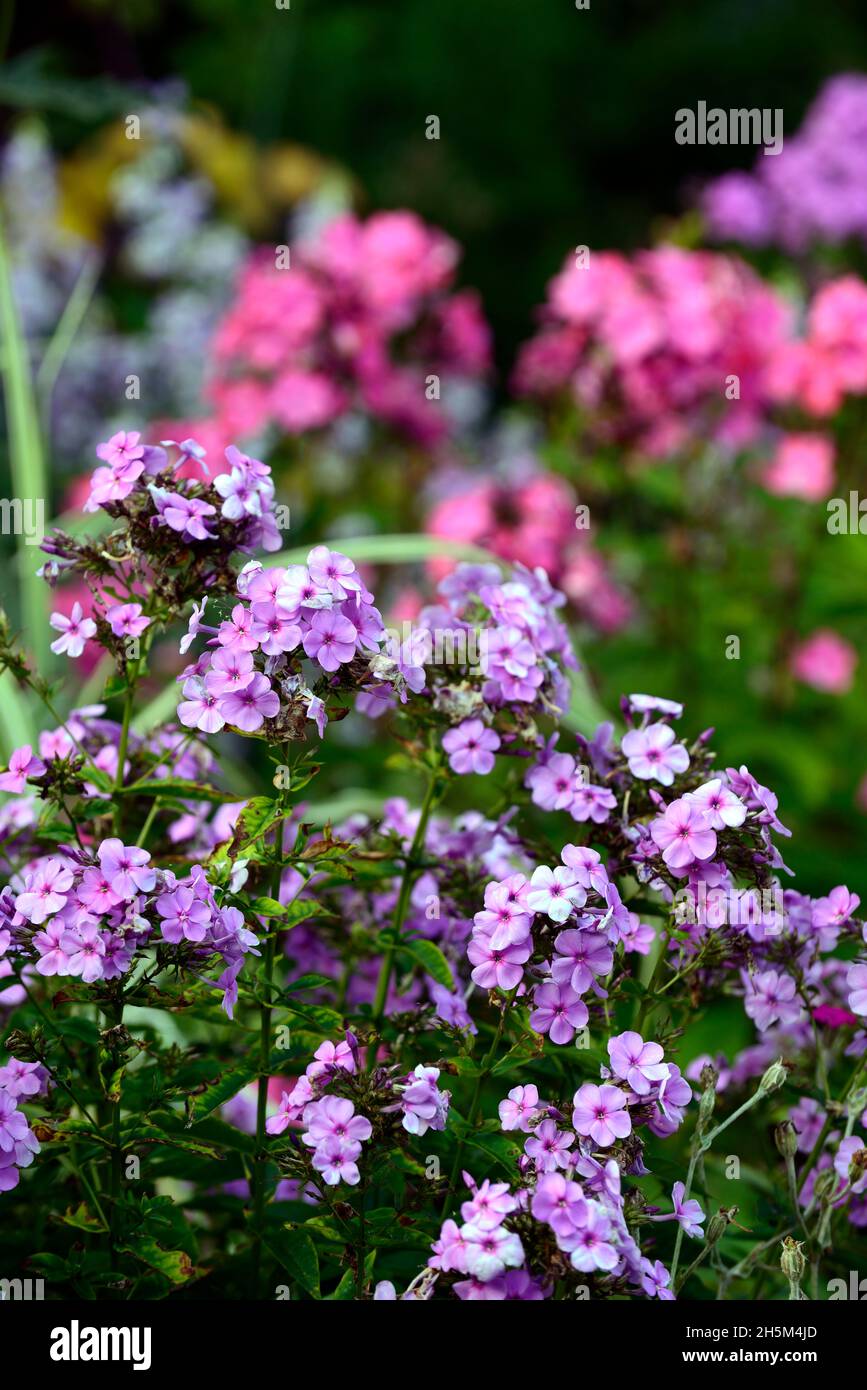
[813, 191]
[20, 1082]
[487, 659]
[439, 910]
[88, 917]
[322, 611]
[333, 1129]
[569, 1201]
[245, 494]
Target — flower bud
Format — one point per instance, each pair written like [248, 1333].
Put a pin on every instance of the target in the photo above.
[717, 1226]
[774, 1077]
[786, 1139]
[792, 1262]
[825, 1185]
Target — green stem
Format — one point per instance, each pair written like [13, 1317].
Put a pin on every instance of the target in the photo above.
[26, 457]
[475, 1103]
[260, 1162]
[409, 870]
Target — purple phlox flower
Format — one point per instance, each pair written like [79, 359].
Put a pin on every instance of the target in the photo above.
[654, 704]
[519, 1109]
[771, 997]
[637, 1062]
[330, 1057]
[13, 1124]
[558, 1011]
[450, 1250]
[655, 1280]
[330, 639]
[199, 708]
[53, 945]
[559, 1202]
[836, 908]
[593, 803]
[856, 982]
[194, 626]
[553, 783]
[248, 708]
[500, 968]
[471, 747]
[45, 891]
[491, 1250]
[423, 1105]
[127, 619]
[22, 1079]
[588, 865]
[505, 916]
[719, 804]
[333, 572]
[581, 955]
[86, 948]
[237, 631]
[299, 590]
[274, 630]
[186, 515]
[75, 631]
[689, 1214]
[185, 917]
[95, 891]
[334, 1117]
[335, 1159]
[653, 753]
[684, 834]
[549, 1147]
[489, 1206]
[590, 1245]
[231, 669]
[556, 892]
[22, 765]
[600, 1112]
[127, 868]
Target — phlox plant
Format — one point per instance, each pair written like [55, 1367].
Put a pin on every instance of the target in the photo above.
[442, 1050]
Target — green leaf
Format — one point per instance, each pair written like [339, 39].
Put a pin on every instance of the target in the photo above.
[394, 550]
[218, 1092]
[175, 1265]
[26, 459]
[289, 914]
[82, 1219]
[295, 1252]
[17, 725]
[174, 786]
[431, 959]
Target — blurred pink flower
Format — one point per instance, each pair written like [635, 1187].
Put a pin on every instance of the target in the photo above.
[826, 661]
[803, 466]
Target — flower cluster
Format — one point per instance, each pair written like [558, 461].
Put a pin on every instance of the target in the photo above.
[20, 1082]
[569, 1218]
[89, 916]
[321, 611]
[645, 346]
[812, 192]
[333, 1129]
[360, 321]
[531, 520]
[488, 659]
